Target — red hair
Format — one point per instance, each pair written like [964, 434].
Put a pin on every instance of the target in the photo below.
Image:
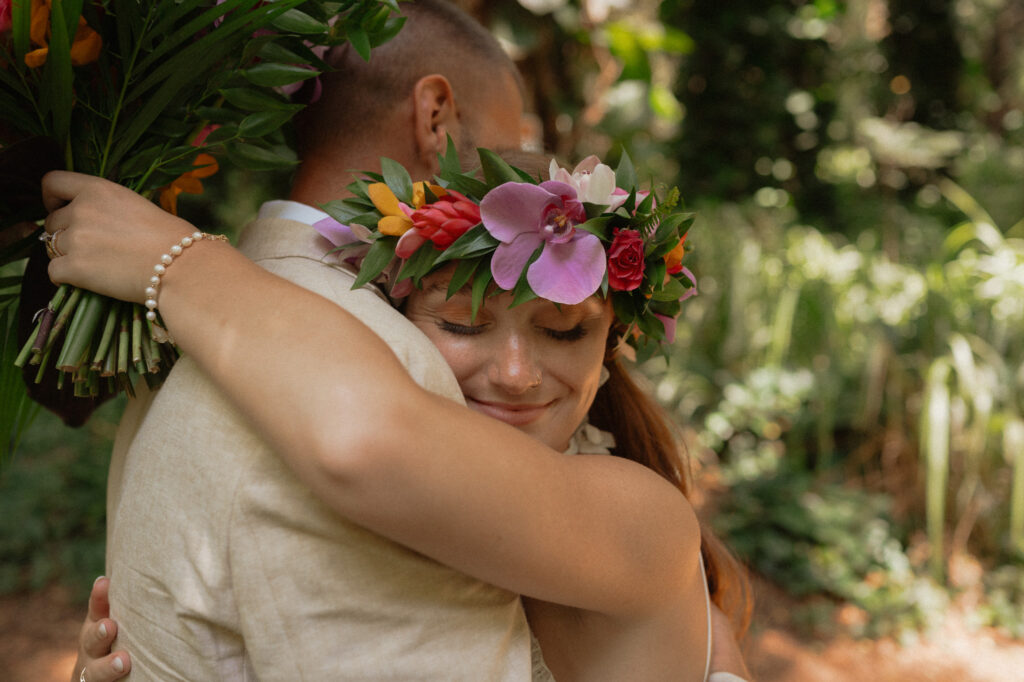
[642, 434]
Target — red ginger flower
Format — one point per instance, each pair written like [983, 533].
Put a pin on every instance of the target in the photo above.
[447, 219]
[5, 15]
[626, 260]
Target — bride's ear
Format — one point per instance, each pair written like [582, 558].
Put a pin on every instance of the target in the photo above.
[435, 117]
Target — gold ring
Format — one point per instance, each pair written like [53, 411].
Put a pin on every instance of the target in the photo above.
[50, 239]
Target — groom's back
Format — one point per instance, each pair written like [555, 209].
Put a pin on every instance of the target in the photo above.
[224, 566]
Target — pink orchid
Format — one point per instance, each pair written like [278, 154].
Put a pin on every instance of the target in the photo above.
[524, 217]
[339, 234]
[593, 181]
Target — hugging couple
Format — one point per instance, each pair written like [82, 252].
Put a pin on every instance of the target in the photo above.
[453, 481]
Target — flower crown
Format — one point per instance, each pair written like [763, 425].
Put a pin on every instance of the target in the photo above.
[562, 240]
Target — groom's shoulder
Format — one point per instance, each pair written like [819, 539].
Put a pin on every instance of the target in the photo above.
[294, 251]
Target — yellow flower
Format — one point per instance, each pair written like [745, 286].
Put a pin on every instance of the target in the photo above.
[85, 48]
[394, 221]
[189, 182]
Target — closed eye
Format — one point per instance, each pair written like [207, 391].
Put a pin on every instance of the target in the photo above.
[460, 329]
[574, 334]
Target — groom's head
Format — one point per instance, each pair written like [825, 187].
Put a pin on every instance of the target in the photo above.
[443, 74]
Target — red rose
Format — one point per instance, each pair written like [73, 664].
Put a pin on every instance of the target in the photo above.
[447, 219]
[626, 260]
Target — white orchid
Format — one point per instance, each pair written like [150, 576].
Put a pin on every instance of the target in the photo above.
[593, 181]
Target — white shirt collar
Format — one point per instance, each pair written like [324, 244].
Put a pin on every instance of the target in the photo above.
[291, 210]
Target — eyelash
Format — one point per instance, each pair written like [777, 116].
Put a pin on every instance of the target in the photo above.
[574, 334]
[460, 329]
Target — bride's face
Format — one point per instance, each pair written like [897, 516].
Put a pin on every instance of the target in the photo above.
[536, 366]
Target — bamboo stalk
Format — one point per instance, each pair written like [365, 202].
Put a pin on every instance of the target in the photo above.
[108, 335]
[62, 319]
[80, 335]
[136, 335]
[123, 342]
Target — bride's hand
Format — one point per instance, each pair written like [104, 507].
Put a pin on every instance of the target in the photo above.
[108, 238]
[95, 661]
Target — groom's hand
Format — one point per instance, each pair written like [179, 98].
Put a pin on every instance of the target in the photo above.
[95, 662]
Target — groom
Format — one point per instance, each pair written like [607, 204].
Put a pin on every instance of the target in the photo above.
[222, 565]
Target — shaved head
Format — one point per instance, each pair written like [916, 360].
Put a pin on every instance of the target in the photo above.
[360, 99]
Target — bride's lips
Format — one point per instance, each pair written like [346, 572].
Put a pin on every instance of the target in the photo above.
[512, 414]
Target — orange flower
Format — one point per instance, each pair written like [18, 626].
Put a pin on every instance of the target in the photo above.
[85, 48]
[189, 182]
[674, 258]
[395, 220]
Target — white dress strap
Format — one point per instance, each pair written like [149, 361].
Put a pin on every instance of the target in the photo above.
[707, 609]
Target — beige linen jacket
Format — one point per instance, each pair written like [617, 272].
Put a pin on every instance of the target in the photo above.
[224, 567]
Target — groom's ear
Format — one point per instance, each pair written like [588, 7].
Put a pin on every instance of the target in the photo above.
[435, 117]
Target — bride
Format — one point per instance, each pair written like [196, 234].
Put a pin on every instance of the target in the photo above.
[603, 545]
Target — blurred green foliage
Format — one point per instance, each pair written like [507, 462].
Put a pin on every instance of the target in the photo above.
[860, 252]
[857, 171]
[52, 504]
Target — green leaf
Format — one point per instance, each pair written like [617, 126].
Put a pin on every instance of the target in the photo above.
[480, 284]
[377, 258]
[342, 210]
[522, 293]
[140, 163]
[249, 99]
[272, 75]
[359, 41]
[625, 311]
[21, 24]
[271, 51]
[597, 227]
[255, 158]
[625, 173]
[397, 179]
[390, 29]
[475, 241]
[261, 123]
[224, 134]
[464, 272]
[419, 263]
[57, 75]
[496, 170]
[218, 115]
[297, 21]
[449, 162]
[667, 234]
[672, 290]
[468, 185]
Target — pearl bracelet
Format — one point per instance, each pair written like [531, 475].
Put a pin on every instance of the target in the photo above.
[165, 262]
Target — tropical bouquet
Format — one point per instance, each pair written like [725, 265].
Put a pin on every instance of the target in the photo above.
[580, 233]
[152, 95]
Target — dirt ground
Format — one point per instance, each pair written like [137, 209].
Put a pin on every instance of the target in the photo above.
[39, 632]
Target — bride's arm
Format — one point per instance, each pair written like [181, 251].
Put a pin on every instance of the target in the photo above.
[595, 532]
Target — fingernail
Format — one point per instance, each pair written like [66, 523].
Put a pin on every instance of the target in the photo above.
[103, 630]
[117, 665]
[98, 578]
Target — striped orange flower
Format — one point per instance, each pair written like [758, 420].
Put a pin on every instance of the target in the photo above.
[189, 182]
[85, 48]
